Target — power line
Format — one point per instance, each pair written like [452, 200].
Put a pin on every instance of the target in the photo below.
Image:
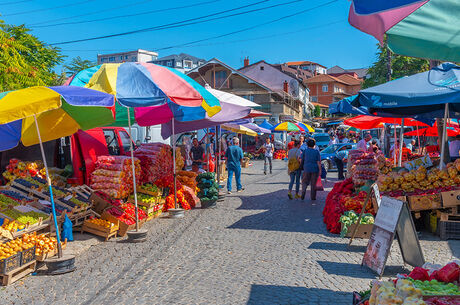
[249, 28]
[48, 8]
[15, 2]
[91, 13]
[226, 42]
[128, 15]
[183, 23]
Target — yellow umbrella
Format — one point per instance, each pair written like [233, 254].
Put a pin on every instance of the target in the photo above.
[239, 129]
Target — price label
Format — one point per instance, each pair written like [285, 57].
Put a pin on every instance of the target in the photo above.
[45, 202]
[68, 197]
[375, 187]
[388, 214]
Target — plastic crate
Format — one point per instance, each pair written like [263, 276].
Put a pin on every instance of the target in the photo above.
[28, 255]
[449, 229]
[10, 263]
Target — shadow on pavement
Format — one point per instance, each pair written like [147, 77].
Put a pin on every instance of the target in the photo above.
[336, 246]
[358, 271]
[271, 294]
[281, 214]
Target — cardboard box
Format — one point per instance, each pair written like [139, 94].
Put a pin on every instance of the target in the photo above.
[425, 202]
[364, 230]
[451, 198]
[98, 203]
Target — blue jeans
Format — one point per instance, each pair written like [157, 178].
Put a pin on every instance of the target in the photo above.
[295, 176]
[237, 172]
[268, 160]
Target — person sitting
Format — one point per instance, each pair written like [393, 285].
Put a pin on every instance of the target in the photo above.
[454, 148]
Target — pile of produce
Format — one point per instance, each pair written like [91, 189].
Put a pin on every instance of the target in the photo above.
[280, 154]
[44, 243]
[385, 165]
[144, 198]
[126, 212]
[343, 197]
[9, 197]
[151, 188]
[420, 181]
[12, 226]
[187, 178]
[19, 169]
[364, 168]
[113, 175]
[429, 285]
[101, 222]
[209, 188]
[13, 247]
[350, 217]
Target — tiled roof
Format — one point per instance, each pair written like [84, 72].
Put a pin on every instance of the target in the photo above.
[350, 79]
[305, 62]
[323, 78]
[320, 105]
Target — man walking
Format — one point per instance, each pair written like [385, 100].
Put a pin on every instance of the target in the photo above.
[268, 148]
[311, 164]
[234, 155]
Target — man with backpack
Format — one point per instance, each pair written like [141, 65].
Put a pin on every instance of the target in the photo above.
[294, 169]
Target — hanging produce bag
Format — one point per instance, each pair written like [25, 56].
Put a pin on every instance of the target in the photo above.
[319, 184]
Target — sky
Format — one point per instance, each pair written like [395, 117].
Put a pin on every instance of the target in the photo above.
[291, 30]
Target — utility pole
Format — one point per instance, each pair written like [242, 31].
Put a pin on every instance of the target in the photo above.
[387, 134]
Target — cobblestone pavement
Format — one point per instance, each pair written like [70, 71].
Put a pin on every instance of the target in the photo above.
[256, 247]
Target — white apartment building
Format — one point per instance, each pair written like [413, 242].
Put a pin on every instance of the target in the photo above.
[131, 56]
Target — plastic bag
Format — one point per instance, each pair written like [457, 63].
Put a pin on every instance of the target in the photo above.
[419, 274]
[449, 273]
[319, 185]
[67, 230]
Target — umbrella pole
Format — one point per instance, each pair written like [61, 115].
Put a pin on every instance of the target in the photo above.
[444, 134]
[394, 146]
[218, 145]
[48, 179]
[174, 164]
[134, 171]
[418, 137]
[401, 139]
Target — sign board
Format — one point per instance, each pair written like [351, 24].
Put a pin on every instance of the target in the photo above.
[393, 218]
[414, 164]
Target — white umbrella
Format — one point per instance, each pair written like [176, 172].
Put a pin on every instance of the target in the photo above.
[231, 98]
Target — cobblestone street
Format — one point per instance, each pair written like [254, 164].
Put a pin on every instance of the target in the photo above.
[256, 247]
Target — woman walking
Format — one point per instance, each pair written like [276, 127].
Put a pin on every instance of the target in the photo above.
[294, 169]
[311, 165]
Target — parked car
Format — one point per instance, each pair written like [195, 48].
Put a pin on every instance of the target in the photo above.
[329, 152]
[322, 140]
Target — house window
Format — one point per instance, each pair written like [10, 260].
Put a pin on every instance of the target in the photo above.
[314, 98]
[221, 77]
[194, 65]
[262, 68]
[112, 58]
[325, 88]
[179, 64]
[200, 63]
[188, 64]
[126, 57]
[121, 57]
[249, 97]
[133, 58]
[169, 63]
[103, 59]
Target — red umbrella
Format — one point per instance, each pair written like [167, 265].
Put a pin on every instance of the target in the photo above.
[257, 113]
[369, 122]
[433, 132]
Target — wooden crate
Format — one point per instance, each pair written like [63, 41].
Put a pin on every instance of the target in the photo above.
[43, 257]
[99, 230]
[18, 273]
[364, 230]
[425, 202]
[450, 199]
[146, 192]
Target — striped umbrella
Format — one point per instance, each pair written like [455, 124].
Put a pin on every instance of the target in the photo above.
[306, 127]
[286, 126]
[426, 29]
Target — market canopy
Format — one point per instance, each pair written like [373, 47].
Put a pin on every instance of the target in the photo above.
[306, 127]
[257, 113]
[239, 129]
[420, 95]
[345, 107]
[256, 128]
[266, 125]
[60, 111]
[426, 29]
[433, 132]
[369, 122]
[143, 86]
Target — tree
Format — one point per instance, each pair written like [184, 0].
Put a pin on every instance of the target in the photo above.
[24, 59]
[78, 64]
[400, 66]
[317, 111]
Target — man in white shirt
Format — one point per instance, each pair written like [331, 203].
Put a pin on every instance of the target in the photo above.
[362, 145]
[454, 147]
[332, 140]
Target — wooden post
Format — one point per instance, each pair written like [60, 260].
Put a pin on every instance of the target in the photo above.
[363, 210]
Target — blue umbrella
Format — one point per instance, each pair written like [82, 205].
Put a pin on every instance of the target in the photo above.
[421, 95]
[344, 107]
[266, 125]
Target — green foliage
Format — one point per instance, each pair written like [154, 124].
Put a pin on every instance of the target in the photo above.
[25, 60]
[400, 66]
[317, 111]
[78, 64]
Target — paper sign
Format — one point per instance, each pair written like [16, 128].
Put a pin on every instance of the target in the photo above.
[375, 187]
[388, 214]
[378, 249]
[414, 164]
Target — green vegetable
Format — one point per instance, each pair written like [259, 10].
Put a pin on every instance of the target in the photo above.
[350, 217]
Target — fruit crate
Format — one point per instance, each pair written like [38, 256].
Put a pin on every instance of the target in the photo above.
[364, 230]
[98, 230]
[18, 273]
[449, 229]
[10, 263]
[28, 255]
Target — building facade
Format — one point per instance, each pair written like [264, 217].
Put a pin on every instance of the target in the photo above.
[220, 76]
[182, 62]
[131, 56]
[326, 89]
[357, 73]
[313, 67]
